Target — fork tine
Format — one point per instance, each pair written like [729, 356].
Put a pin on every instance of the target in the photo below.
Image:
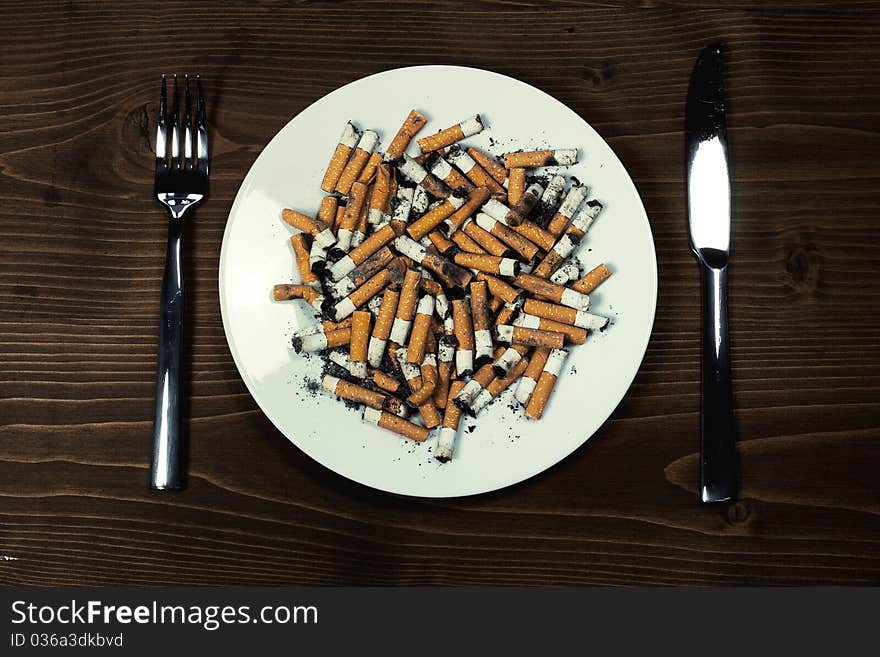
[175, 127]
[162, 129]
[187, 126]
[201, 128]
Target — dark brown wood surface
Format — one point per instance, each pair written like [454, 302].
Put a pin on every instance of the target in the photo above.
[81, 253]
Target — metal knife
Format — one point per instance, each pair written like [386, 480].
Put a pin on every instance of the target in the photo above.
[708, 187]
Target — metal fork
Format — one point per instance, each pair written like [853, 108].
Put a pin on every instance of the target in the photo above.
[181, 184]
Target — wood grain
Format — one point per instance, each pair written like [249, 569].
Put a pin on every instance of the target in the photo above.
[81, 248]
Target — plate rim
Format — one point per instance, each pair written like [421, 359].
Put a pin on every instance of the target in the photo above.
[249, 384]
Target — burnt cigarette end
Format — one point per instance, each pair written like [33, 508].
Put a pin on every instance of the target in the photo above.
[481, 360]
[443, 458]
[297, 345]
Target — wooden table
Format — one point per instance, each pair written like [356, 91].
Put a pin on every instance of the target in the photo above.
[81, 256]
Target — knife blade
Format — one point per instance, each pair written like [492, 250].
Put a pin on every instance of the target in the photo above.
[709, 191]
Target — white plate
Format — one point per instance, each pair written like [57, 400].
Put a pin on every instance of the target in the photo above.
[504, 448]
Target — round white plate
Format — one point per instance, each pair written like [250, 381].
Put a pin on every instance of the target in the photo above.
[500, 447]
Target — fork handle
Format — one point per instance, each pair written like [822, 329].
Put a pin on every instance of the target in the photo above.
[717, 432]
[166, 472]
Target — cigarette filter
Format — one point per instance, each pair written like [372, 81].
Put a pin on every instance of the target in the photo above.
[433, 218]
[467, 128]
[413, 123]
[360, 274]
[356, 393]
[522, 245]
[527, 202]
[552, 292]
[484, 239]
[554, 258]
[592, 279]
[498, 385]
[507, 313]
[450, 274]
[464, 242]
[565, 315]
[584, 218]
[548, 158]
[401, 206]
[487, 263]
[398, 425]
[379, 196]
[347, 142]
[544, 387]
[445, 365]
[370, 168]
[444, 171]
[573, 334]
[509, 357]
[319, 231]
[415, 351]
[357, 347]
[472, 388]
[322, 341]
[382, 326]
[550, 199]
[510, 334]
[350, 218]
[360, 231]
[364, 250]
[449, 429]
[406, 307]
[480, 315]
[516, 185]
[476, 197]
[464, 334]
[301, 245]
[287, 292]
[570, 205]
[500, 289]
[356, 163]
[473, 171]
[413, 376]
[530, 375]
[415, 172]
[346, 306]
[490, 164]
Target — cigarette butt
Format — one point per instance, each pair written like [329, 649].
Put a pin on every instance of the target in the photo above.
[487, 263]
[485, 240]
[327, 211]
[507, 313]
[287, 292]
[415, 172]
[545, 158]
[301, 246]
[535, 234]
[379, 195]
[362, 251]
[337, 218]
[451, 419]
[570, 205]
[440, 242]
[357, 347]
[592, 279]
[522, 245]
[322, 327]
[565, 315]
[433, 218]
[412, 124]
[322, 341]
[319, 231]
[401, 205]
[445, 367]
[467, 128]
[464, 242]
[510, 334]
[569, 271]
[347, 142]
[406, 307]
[544, 387]
[382, 326]
[464, 334]
[582, 221]
[357, 161]
[363, 272]
[516, 185]
[351, 216]
[370, 168]
[384, 381]
[483, 346]
[500, 289]
[550, 199]
[398, 425]
[490, 164]
[444, 171]
[527, 202]
[475, 386]
[495, 304]
[552, 292]
[449, 273]
[356, 393]
[346, 306]
[498, 385]
[476, 197]
[530, 375]
[422, 386]
[508, 358]
[415, 351]
[473, 171]
[360, 231]
[573, 334]
[318, 258]
[554, 258]
[428, 412]
[420, 201]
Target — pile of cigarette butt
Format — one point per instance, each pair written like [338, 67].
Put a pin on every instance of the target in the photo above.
[442, 279]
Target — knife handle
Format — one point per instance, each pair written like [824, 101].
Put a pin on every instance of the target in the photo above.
[717, 431]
